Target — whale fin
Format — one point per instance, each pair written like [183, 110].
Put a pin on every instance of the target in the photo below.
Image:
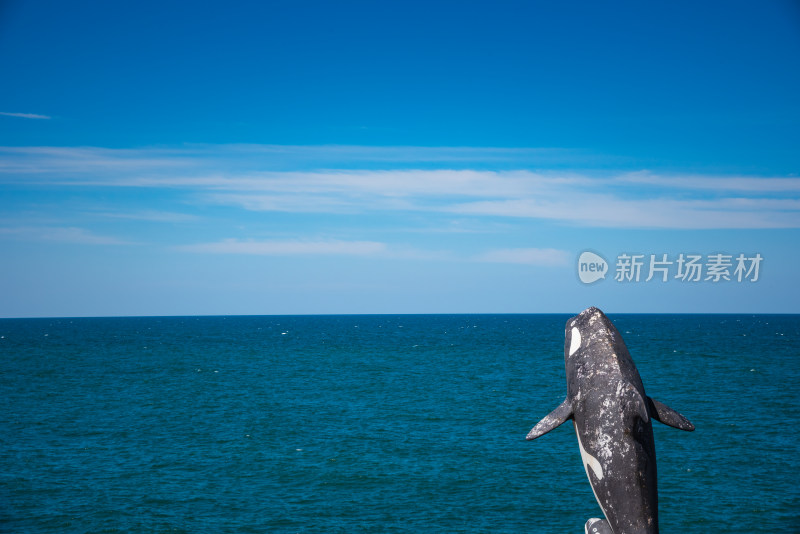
[666, 415]
[554, 419]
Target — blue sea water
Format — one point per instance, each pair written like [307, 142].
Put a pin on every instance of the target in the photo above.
[377, 424]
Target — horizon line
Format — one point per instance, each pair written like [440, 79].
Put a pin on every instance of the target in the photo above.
[359, 314]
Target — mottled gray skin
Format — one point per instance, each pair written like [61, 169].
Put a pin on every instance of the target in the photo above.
[612, 418]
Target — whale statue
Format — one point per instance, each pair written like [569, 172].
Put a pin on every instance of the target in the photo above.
[612, 417]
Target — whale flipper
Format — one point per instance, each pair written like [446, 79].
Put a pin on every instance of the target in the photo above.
[597, 526]
[666, 415]
[553, 420]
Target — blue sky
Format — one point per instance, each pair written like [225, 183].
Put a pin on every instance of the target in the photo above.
[176, 158]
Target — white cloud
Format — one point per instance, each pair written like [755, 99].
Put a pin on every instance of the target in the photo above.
[61, 234]
[317, 247]
[150, 215]
[755, 184]
[608, 211]
[261, 178]
[24, 115]
[527, 256]
[184, 164]
[291, 203]
[288, 248]
[81, 166]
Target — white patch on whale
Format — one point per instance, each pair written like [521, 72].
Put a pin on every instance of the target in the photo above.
[589, 460]
[575, 341]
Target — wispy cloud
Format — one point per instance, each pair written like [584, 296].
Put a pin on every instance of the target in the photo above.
[61, 234]
[609, 211]
[25, 115]
[454, 181]
[527, 256]
[86, 163]
[149, 215]
[322, 247]
[566, 197]
[743, 184]
[318, 247]
[288, 248]
[93, 165]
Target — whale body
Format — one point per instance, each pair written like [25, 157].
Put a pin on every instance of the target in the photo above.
[612, 417]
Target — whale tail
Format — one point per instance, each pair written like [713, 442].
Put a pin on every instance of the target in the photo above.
[597, 526]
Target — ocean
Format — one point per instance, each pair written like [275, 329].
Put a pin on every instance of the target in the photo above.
[383, 423]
